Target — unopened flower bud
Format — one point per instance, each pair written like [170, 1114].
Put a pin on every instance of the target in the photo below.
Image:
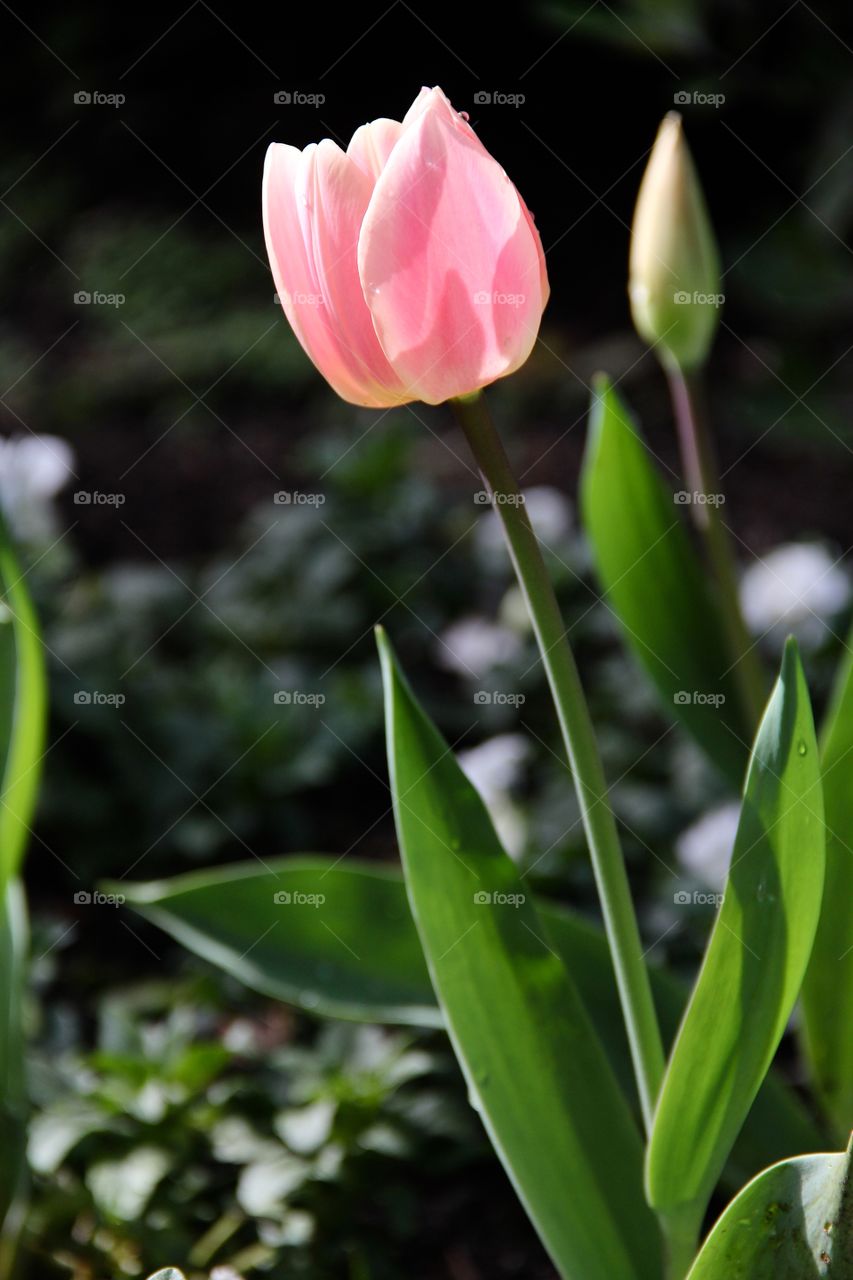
[674, 279]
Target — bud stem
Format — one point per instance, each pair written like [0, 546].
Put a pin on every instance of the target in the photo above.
[579, 738]
[702, 476]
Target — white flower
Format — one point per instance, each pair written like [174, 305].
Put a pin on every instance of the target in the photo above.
[473, 646]
[796, 588]
[33, 469]
[550, 513]
[494, 767]
[705, 848]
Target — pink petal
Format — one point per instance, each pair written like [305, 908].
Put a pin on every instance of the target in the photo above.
[372, 144]
[450, 261]
[314, 202]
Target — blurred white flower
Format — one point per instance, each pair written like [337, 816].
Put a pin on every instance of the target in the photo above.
[473, 646]
[33, 469]
[494, 767]
[550, 514]
[799, 588]
[705, 848]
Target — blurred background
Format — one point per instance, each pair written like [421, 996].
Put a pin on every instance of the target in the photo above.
[205, 526]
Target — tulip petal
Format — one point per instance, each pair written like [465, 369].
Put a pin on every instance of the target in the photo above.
[314, 202]
[372, 144]
[450, 261]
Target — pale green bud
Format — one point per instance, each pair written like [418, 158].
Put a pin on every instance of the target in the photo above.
[674, 276]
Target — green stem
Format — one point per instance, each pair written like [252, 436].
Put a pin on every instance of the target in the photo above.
[681, 1229]
[702, 476]
[577, 731]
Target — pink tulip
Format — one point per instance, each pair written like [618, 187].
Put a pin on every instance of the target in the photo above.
[408, 266]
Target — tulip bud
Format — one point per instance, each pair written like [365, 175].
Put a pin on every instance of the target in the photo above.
[674, 278]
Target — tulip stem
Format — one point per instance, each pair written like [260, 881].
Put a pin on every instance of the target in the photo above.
[579, 738]
[702, 476]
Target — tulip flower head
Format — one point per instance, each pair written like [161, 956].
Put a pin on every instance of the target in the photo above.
[408, 265]
[674, 283]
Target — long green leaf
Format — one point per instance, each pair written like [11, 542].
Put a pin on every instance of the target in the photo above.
[366, 963]
[654, 582]
[535, 1069]
[755, 960]
[793, 1222]
[22, 710]
[828, 988]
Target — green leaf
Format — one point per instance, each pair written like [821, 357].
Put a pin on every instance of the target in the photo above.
[755, 960]
[534, 1067]
[653, 580]
[22, 711]
[366, 964]
[793, 1222]
[828, 988]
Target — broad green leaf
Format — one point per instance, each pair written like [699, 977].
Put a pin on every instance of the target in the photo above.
[755, 959]
[533, 1063]
[367, 964]
[828, 988]
[22, 710]
[793, 1222]
[654, 582]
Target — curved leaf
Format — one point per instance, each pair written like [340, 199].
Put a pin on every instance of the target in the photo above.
[22, 710]
[535, 1069]
[654, 582]
[755, 960]
[793, 1222]
[828, 988]
[371, 968]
